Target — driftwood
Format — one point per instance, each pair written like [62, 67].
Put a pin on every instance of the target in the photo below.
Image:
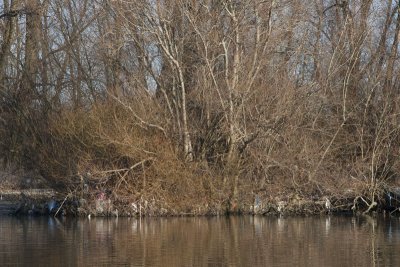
[370, 206]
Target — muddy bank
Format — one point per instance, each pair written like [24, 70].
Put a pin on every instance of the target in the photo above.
[28, 201]
[50, 202]
[29, 194]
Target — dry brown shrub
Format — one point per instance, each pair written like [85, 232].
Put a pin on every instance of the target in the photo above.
[109, 150]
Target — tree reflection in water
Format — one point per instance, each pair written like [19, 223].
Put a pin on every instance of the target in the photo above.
[222, 241]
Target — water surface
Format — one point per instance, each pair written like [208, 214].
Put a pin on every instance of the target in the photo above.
[214, 241]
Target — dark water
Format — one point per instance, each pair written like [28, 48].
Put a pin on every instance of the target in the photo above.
[233, 241]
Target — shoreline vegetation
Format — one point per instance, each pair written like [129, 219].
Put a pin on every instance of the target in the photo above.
[201, 107]
[26, 202]
[22, 201]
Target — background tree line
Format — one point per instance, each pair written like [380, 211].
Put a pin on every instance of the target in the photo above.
[211, 100]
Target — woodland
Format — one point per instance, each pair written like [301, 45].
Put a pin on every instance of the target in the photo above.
[203, 106]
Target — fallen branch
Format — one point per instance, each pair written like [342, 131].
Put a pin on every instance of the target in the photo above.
[65, 199]
[128, 169]
[372, 205]
[398, 209]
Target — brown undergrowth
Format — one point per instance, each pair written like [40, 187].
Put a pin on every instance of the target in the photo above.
[129, 159]
[105, 152]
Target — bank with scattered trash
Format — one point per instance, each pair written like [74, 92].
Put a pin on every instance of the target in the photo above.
[39, 202]
[32, 195]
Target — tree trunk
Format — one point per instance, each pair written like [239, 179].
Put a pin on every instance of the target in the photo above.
[31, 47]
[7, 39]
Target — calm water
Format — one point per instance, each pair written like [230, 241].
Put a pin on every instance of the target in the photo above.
[233, 241]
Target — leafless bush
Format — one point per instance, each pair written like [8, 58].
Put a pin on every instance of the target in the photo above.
[221, 100]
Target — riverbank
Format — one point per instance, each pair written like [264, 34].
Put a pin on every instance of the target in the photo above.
[50, 202]
[30, 194]
[268, 111]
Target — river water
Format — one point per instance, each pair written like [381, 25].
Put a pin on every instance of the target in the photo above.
[202, 241]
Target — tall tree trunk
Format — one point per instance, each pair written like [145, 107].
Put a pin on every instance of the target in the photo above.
[8, 37]
[392, 58]
[31, 47]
